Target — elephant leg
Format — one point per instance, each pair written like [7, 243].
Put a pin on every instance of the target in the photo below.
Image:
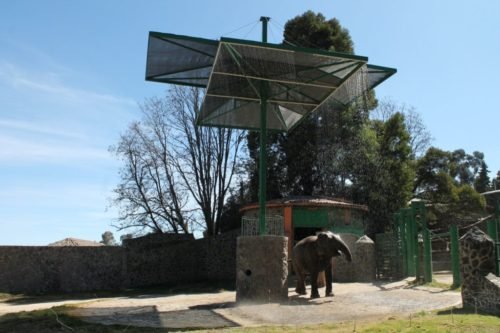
[301, 281]
[329, 280]
[314, 284]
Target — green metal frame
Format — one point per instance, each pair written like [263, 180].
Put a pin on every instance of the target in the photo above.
[285, 47]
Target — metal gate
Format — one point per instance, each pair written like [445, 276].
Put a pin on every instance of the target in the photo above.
[389, 259]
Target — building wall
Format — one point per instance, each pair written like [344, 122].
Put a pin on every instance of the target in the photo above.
[140, 263]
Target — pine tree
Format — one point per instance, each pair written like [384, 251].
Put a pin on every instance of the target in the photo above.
[482, 182]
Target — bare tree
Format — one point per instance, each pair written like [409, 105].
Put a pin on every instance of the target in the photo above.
[149, 195]
[420, 136]
[207, 156]
[175, 173]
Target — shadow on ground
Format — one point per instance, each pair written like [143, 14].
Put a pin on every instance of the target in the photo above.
[196, 317]
[147, 292]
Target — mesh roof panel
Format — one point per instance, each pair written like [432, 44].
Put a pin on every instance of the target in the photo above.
[239, 74]
[180, 59]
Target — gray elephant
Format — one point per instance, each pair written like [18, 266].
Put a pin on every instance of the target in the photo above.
[314, 254]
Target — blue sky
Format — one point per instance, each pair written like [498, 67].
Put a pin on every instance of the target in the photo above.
[72, 75]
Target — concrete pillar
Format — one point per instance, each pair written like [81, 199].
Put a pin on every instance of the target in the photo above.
[364, 259]
[343, 270]
[261, 268]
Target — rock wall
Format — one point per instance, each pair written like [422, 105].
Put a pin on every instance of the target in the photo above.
[480, 288]
[43, 269]
[362, 267]
[146, 261]
[364, 260]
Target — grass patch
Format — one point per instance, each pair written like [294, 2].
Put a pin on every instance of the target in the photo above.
[435, 284]
[437, 323]
[441, 285]
[422, 322]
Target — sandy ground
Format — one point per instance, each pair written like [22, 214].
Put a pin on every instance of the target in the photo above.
[352, 302]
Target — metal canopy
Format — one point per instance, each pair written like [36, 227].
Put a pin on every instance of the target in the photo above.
[259, 86]
[238, 75]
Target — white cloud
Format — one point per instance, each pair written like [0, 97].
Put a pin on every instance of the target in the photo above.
[50, 83]
[31, 127]
[50, 194]
[45, 120]
[15, 150]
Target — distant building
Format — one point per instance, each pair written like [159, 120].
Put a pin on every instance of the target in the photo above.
[75, 242]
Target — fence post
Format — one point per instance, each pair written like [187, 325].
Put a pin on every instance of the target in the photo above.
[410, 241]
[455, 257]
[427, 255]
[421, 216]
[399, 233]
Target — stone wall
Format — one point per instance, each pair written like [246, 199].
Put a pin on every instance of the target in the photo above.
[146, 261]
[362, 267]
[480, 287]
[343, 270]
[42, 269]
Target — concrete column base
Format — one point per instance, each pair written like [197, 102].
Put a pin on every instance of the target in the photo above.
[261, 269]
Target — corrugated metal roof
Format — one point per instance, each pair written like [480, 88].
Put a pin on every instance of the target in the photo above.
[308, 201]
[75, 242]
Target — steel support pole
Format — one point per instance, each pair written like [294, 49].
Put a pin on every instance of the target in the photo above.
[263, 143]
[262, 162]
[264, 20]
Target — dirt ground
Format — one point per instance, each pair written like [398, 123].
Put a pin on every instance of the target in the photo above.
[352, 302]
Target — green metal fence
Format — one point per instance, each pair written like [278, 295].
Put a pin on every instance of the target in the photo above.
[415, 248]
[411, 227]
[493, 228]
[389, 261]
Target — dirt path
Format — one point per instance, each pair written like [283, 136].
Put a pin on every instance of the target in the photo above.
[352, 302]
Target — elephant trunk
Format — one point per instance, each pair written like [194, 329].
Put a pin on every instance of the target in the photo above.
[344, 249]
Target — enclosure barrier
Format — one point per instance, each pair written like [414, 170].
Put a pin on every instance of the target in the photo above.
[454, 249]
[411, 228]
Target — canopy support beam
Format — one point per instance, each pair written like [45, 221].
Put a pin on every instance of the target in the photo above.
[263, 142]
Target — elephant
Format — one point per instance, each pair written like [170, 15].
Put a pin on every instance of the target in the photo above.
[313, 255]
